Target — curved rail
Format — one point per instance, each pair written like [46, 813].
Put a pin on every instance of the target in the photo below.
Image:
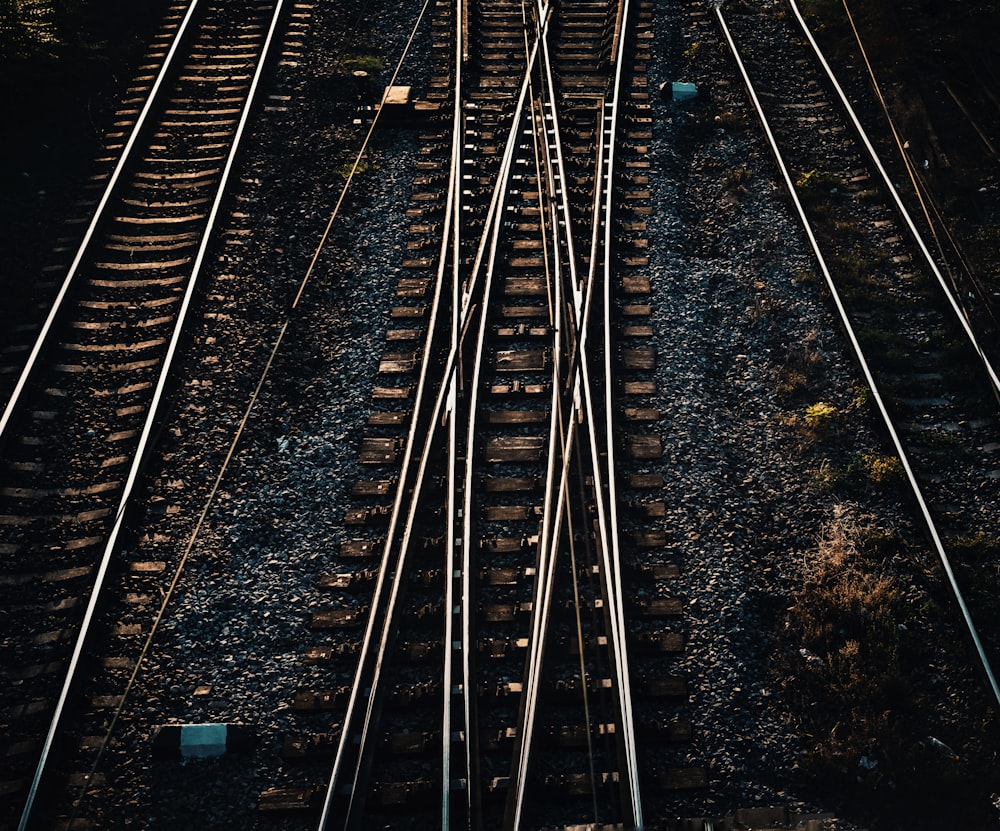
[150, 420]
[450, 428]
[865, 369]
[459, 563]
[368, 678]
[582, 399]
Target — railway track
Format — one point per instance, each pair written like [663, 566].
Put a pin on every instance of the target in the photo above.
[950, 126]
[499, 641]
[499, 552]
[931, 374]
[79, 419]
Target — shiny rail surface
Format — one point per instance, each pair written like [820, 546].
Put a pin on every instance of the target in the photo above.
[108, 293]
[530, 178]
[878, 396]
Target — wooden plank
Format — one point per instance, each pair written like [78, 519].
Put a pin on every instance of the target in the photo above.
[408, 312]
[412, 743]
[505, 545]
[338, 618]
[511, 513]
[392, 418]
[367, 516]
[394, 335]
[657, 571]
[523, 330]
[520, 388]
[680, 779]
[513, 312]
[636, 285]
[650, 539]
[514, 484]
[535, 263]
[412, 287]
[578, 784]
[518, 417]
[515, 449]
[642, 414]
[377, 487]
[316, 747]
[641, 447]
[661, 607]
[378, 451]
[637, 331]
[639, 358]
[346, 579]
[522, 360]
[395, 366]
[525, 287]
[501, 576]
[320, 700]
[499, 612]
[392, 393]
[645, 481]
[665, 643]
[289, 800]
[360, 548]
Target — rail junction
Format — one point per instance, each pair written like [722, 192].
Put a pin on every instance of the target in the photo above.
[499, 631]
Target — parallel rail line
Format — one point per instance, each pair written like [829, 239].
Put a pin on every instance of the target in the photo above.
[535, 216]
[488, 598]
[133, 279]
[917, 476]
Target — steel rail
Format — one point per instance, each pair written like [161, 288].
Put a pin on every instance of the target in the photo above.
[865, 369]
[607, 514]
[570, 453]
[560, 439]
[165, 601]
[541, 20]
[900, 207]
[449, 368]
[615, 570]
[493, 230]
[147, 429]
[43, 334]
[924, 196]
[455, 564]
[546, 549]
[390, 570]
[549, 540]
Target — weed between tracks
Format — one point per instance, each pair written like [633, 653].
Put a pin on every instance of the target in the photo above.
[855, 652]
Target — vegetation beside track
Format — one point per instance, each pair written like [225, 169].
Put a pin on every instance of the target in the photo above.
[855, 659]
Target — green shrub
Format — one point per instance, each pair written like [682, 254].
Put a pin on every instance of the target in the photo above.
[820, 414]
[364, 63]
[817, 183]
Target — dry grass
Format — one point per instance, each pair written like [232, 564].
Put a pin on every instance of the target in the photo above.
[851, 670]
